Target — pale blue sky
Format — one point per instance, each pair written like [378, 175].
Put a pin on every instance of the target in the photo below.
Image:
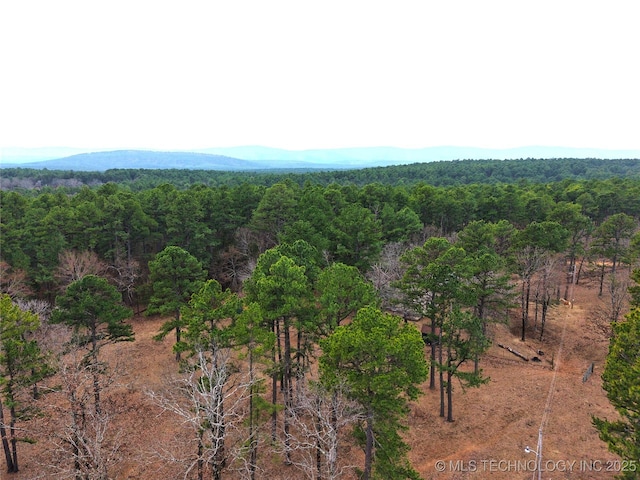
[299, 75]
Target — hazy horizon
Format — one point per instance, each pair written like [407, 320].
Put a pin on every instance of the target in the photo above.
[34, 157]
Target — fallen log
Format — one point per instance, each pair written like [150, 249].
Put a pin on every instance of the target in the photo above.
[517, 354]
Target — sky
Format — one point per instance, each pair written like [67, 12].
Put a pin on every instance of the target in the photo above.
[180, 75]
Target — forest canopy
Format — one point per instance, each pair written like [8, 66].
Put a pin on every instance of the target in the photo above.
[443, 173]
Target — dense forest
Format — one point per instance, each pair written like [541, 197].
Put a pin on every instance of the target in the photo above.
[272, 265]
[444, 173]
[227, 227]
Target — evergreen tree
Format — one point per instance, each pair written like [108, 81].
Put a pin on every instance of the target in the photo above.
[175, 276]
[621, 380]
[283, 292]
[463, 339]
[22, 365]
[255, 342]
[94, 309]
[380, 360]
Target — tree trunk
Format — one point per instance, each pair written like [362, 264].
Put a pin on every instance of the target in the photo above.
[76, 416]
[94, 368]
[545, 307]
[12, 434]
[288, 391]
[219, 461]
[299, 367]
[449, 394]
[368, 449]
[526, 291]
[318, 447]
[200, 453]
[333, 449]
[276, 358]
[480, 313]
[178, 334]
[441, 373]
[577, 279]
[11, 468]
[536, 309]
[253, 440]
[432, 366]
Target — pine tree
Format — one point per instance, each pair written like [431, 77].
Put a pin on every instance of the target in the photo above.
[22, 365]
[621, 380]
[380, 360]
[175, 275]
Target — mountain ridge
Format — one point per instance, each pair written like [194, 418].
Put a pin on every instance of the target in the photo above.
[264, 158]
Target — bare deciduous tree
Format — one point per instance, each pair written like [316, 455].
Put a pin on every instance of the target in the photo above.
[211, 400]
[86, 446]
[387, 270]
[13, 282]
[74, 265]
[547, 283]
[125, 272]
[320, 418]
[613, 303]
[233, 267]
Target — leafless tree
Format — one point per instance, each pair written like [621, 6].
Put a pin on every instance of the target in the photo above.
[613, 303]
[41, 308]
[233, 267]
[320, 419]
[74, 265]
[528, 260]
[387, 270]
[49, 337]
[125, 272]
[239, 261]
[210, 399]
[85, 445]
[13, 282]
[547, 283]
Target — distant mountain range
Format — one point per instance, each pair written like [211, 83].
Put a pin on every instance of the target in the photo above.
[263, 158]
[100, 161]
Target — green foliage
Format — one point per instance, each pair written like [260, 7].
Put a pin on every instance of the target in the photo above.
[22, 365]
[94, 309]
[356, 236]
[343, 291]
[464, 339]
[381, 361]
[443, 173]
[489, 279]
[282, 291]
[275, 210]
[380, 357]
[401, 225]
[175, 275]
[433, 277]
[21, 362]
[609, 237]
[634, 290]
[248, 331]
[204, 315]
[621, 380]
[545, 236]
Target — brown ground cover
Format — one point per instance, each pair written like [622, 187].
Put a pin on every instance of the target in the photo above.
[493, 424]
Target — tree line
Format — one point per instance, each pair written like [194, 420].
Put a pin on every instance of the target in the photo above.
[225, 228]
[256, 285]
[442, 173]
